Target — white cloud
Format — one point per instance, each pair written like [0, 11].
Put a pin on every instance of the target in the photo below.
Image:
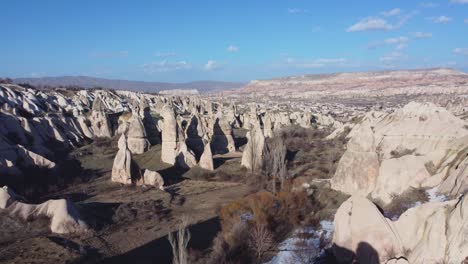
[165, 54]
[429, 5]
[441, 19]
[370, 23]
[232, 48]
[211, 65]
[466, 21]
[393, 12]
[377, 23]
[459, 1]
[297, 10]
[166, 66]
[421, 35]
[461, 51]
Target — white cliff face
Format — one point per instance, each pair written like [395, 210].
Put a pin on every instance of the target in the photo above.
[393, 153]
[64, 217]
[434, 232]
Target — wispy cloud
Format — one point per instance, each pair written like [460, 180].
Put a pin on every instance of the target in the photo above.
[315, 63]
[211, 65]
[316, 29]
[399, 42]
[166, 66]
[441, 19]
[421, 35]
[370, 23]
[297, 10]
[466, 21]
[392, 57]
[117, 54]
[459, 1]
[429, 5]
[166, 54]
[461, 51]
[393, 12]
[232, 48]
[397, 16]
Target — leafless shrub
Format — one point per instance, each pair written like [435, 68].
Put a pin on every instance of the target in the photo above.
[274, 164]
[180, 242]
[260, 241]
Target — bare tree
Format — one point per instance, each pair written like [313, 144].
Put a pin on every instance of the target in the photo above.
[274, 164]
[180, 242]
[260, 241]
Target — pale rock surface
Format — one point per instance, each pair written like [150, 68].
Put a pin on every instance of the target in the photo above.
[153, 178]
[358, 168]
[121, 170]
[434, 232]
[252, 156]
[206, 159]
[169, 135]
[136, 136]
[396, 175]
[361, 229]
[64, 217]
[99, 120]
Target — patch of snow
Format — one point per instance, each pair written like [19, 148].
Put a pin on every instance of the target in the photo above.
[295, 248]
[434, 196]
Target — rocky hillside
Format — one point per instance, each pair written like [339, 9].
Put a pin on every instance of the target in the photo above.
[139, 86]
[385, 83]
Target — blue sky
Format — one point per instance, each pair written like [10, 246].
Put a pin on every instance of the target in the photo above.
[182, 40]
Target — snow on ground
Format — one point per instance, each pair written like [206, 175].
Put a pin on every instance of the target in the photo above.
[434, 196]
[305, 242]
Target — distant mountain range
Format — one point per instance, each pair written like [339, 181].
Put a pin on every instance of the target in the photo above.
[203, 87]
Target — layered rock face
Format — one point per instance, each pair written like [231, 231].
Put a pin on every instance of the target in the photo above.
[418, 146]
[64, 217]
[434, 232]
[122, 168]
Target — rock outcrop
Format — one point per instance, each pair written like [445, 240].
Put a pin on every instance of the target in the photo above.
[99, 120]
[206, 159]
[122, 168]
[434, 232]
[136, 136]
[252, 157]
[169, 135]
[64, 217]
[153, 178]
[417, 146]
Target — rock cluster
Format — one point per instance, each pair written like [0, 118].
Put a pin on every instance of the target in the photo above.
[418, 146]
[430, 233]
[64, 217]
